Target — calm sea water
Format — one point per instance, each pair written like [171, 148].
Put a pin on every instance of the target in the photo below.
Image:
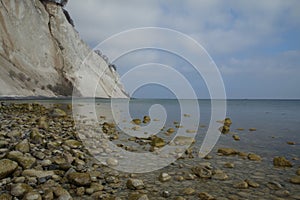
[277, 122]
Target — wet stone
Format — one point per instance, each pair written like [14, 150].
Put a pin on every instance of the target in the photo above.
[202, 171]
[295, 179]
[252, 183]
[205, 196]
[229, 165]
[32, 196]
[227, 151]
[281, 162]
[79, 179]
[236, 137]
[5, 196]
[138, 197]
[26, 161]
[188, 191]
[273, 185]
[112, 162]
[135, 184]
[241, 185]
[19, 189]
[254, 157]
[7, 167]
[164, 177]
[23, 146]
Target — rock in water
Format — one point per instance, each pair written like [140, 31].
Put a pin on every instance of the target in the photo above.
[281, 162]
[57, 65]
[135, 184]
[295, 180]
[7, 167]
[164, 177]
[227, 151]
[254, 157]
[157, 142]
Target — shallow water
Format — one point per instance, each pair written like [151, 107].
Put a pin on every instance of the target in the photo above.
[276, 121]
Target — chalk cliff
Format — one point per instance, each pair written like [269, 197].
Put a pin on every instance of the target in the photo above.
[41, 54]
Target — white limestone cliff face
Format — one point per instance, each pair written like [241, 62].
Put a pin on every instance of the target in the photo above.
[41, 54]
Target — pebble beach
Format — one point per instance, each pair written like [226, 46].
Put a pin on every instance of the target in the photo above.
[42, 157]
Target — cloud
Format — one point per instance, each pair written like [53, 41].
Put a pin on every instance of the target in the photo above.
[255, 40]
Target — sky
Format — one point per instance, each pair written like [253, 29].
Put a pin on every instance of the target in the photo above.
[254, 45]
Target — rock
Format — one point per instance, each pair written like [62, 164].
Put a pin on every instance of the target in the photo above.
[205, 196]
[252, 183]
[227, 122]
[225, 129]
[74, 144]
[219, 175]
[136, 121]
[229, 165]
[202, 171]
[236, 137]
[14, 134]
[170, 130]
[135, 184]
[96, 187]
[241, 185]
[79, 179]
[23, 146]
[20, 189]
[190, 131]
[282, 193]
[37, 173]
[298, 172]
[26, 161]
[58, 113]
[138, 197]
[112, 162]
[48, 195]
[80, 191]
[146, 119]
[32, 196]
[35, 136]
[252, 129]
[183, 140]
[43, 124]
[164, 177]
[227, 151]
[281, 162]
[291, 143]
[5, 196]
[157, 142]
[166, 194]
[61, 193]
[273, 185]
[179, 198]
[254, 157]
[188, 191]
[295, 180]
[7, 167]
[3, 144]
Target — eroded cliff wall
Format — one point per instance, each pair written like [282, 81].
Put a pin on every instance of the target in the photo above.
[41, 54]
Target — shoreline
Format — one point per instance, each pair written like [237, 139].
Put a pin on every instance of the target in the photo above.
[45, 158]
